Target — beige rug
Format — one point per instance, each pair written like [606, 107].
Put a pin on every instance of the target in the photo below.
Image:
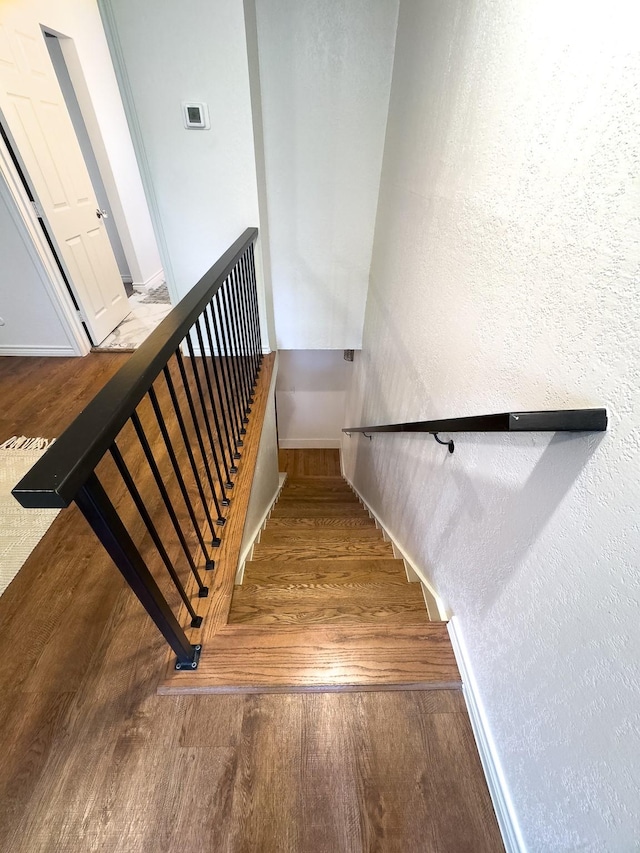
[20, 529]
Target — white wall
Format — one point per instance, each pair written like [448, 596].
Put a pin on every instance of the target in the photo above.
[325, 72]
[203, 181]
[506, 275]
[310, 395]
[29, 321]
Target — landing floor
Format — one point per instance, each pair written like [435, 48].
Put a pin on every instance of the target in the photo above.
[93, 759]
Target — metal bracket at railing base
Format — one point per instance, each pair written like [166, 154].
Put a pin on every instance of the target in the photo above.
[194, 663]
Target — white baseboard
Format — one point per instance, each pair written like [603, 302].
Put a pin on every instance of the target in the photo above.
[48, 352]
[435, 605]
[244, 556]
[496, 782]
[300, 443]
[152, 282]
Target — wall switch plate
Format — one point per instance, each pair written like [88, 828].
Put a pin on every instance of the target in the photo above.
[195, 115]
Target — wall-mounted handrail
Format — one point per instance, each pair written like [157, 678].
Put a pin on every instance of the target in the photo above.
[168, 426]
[555, 420]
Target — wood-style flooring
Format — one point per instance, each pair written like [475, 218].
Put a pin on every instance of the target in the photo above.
[92, 759]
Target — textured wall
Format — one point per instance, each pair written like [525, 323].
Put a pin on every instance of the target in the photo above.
[505, 275]
[325, 73]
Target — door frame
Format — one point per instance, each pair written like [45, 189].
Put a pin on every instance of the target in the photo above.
[24, 215]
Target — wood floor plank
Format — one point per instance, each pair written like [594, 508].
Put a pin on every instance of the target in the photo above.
[310, 462]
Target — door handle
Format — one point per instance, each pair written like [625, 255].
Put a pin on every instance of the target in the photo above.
[101, 214]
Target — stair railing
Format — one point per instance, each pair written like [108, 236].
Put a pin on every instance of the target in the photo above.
[555, 420]
[150, 461]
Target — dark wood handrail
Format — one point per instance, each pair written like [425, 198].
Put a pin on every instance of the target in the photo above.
[55, 479]
[556, 420]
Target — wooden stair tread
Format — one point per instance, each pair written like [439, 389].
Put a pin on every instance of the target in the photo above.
[353, 614]
[307, 594]
[335, 603]
[309, 510]
[322, 551]
[311, 497]
[283, 536]
[248, 659]
[325, 571]
[337, 521]
[314, 481]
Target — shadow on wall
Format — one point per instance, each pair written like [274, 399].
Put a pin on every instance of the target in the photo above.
[446, 513]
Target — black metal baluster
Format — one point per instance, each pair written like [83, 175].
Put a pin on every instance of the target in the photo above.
[221, 520]
[244, 332]
[205, 367]
[178, 473]
[233, 301]
[233, 383]
[135, 420]
[103, 518]
[226, 298]
[196, 621]
[253, 347]
[192, 461]
[223, 413]
[226, 381]
[231, 325]
[244, 308]
[254, 294]
[255, 307]
[196, 424]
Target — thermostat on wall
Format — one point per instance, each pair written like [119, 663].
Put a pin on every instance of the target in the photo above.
[196, 116]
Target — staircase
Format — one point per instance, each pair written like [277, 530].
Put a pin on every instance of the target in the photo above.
[324, 605]
[322, 561]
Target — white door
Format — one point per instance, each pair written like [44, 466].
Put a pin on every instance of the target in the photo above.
[36, 115]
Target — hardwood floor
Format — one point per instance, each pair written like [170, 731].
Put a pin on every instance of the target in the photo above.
[93, 759]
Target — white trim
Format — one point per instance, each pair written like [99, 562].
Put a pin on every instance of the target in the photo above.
[435, 606]
[151, 283]
[317, 443]
[48, 352]
[22, 212]
[496, 782]
[245, 555]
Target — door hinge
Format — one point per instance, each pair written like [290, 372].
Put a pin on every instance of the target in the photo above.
[37, 209]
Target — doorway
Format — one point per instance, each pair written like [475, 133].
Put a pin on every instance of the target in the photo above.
[55, 47]
[46, 152]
